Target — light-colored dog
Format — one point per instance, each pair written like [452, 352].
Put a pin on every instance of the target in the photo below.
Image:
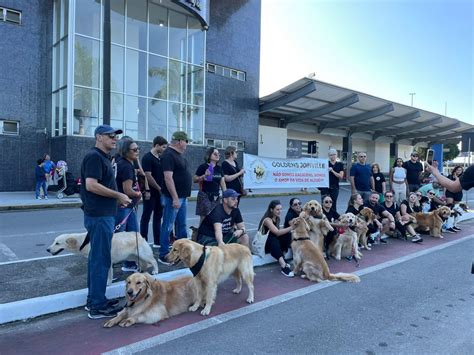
[124, 246]
[318, 228]
[150, 300]
[313, 208]
[433, 220]
[346, 244]
[219, 263]
[309, 259]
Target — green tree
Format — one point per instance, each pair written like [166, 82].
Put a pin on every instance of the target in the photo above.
[451, 151]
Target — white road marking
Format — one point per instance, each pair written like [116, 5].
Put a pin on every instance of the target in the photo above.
[33, 259]
[7, 252]
[210, 322]
[45, 233]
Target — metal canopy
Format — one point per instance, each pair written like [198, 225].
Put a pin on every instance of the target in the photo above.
[313, 102]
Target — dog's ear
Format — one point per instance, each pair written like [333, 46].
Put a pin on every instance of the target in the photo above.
[185, 253]
[71, 242]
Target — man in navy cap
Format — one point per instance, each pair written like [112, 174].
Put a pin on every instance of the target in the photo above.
[224, 224]
[99, 196]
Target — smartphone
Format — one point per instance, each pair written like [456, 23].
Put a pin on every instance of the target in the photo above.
[429, 156]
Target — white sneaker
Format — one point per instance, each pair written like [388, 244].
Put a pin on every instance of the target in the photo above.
[46, 197]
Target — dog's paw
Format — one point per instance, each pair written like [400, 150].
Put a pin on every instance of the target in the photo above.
[303, 276]
[250, 300]
[109, 323]
[194, 307]
[206, 311]
[338, 257]
[127, 323]
[236, 290]
[154, 272]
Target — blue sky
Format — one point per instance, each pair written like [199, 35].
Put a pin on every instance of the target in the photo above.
[384, 48]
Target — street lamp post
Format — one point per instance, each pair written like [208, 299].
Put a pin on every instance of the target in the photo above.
[412, 94]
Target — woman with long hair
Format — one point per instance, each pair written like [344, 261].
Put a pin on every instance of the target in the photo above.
[210, 178]
[279, 240]
[355, 204]
[408, 207]
[233, 174]
[454, 197]
[378, 181]
[398, 181]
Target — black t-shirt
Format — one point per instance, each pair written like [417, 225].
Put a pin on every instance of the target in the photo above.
[467, 178]
[352, 209]
[409, 209]
[379, 179]
[289, 216]
[333, 180]
[125, 171]
[228, 169]
[413, 172]
[153, 164]
[213, 185]
[218, 215]
[392, 210]
[173, 161]
[97, 165]
[332, 215]
[377, 208]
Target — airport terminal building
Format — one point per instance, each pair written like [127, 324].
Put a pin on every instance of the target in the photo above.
[188, 65]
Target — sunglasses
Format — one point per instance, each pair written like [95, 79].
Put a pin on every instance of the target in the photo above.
[137, 149]
[431, 193]
[388, 195]
[296, 204]
[327, 201]
[362, 156]
[418, 195]
[111, 135]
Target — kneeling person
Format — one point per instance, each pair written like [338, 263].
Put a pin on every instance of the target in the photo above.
[217, 228]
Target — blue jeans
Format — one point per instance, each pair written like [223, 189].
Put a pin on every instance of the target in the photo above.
[100, 230]
[39, 185]
[131, 225]
[170, 215]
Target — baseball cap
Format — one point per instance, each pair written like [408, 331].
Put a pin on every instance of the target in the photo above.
[230, 193]
[332, 151]
[180, 136]
[106, 129]
[414, 154]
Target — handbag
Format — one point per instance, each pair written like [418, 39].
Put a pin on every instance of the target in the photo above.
[258, 242]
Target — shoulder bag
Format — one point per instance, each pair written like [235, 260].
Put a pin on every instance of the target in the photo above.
[258, 242]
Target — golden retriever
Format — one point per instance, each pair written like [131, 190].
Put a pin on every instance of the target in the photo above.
[433, 220]
[220, 262]
[346, 244]
[366, 216]
[318, 228]
[309, 259]
[150, 300]
[124, 246]
[313, 208]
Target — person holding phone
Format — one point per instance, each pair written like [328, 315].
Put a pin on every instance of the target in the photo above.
[465, 181]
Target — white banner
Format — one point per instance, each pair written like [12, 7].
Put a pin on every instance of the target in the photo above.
[261, 172]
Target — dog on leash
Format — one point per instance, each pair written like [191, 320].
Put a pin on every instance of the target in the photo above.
[346, 243]
[211, 265]
[309, 259]
[150, 300]
[433, 220]
[124, 246]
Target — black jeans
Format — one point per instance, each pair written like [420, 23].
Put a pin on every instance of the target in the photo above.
[153, 205]
[277, 246]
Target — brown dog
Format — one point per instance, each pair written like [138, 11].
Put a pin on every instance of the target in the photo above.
[219, 263]
[366, 216]
[150, 300]
[346, 244]
[310, 260]
[432, 220]
[313, 208]
[318, 228]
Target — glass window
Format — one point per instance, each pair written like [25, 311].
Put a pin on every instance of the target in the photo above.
[64, 62]
[87, 62]
[57, 20]
[158, 29]
[195, 124]
[56, 114]
[86, 111]
[116, 110]
[136, 24]
[135, 117]
[195, 87]
[177, 41]
[65, 18]
[176, 81]
[117, 66]
[56, 65]
[195, 42]
[117, 21]
[156, 119]
[157, 77]
[136, 73]
[176, 118]
[88, 17]
[64, 111]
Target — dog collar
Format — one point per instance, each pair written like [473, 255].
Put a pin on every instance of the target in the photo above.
[198, 266]
[302, 238]
[86, 241]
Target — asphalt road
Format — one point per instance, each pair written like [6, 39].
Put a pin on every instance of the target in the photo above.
[27, 234]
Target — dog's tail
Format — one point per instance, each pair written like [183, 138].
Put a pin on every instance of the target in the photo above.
[341, 276]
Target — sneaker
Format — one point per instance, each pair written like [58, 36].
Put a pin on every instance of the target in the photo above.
[157, 246]
[110, 303]
[383, 241]
[46, 197]
[38, 198]
[451, 230]
[416, 239]
[130, 268]
[287, 271]
[107, 312]
[456, 228]
[163, 260]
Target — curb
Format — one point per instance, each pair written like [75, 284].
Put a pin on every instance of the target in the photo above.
[40, 306]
